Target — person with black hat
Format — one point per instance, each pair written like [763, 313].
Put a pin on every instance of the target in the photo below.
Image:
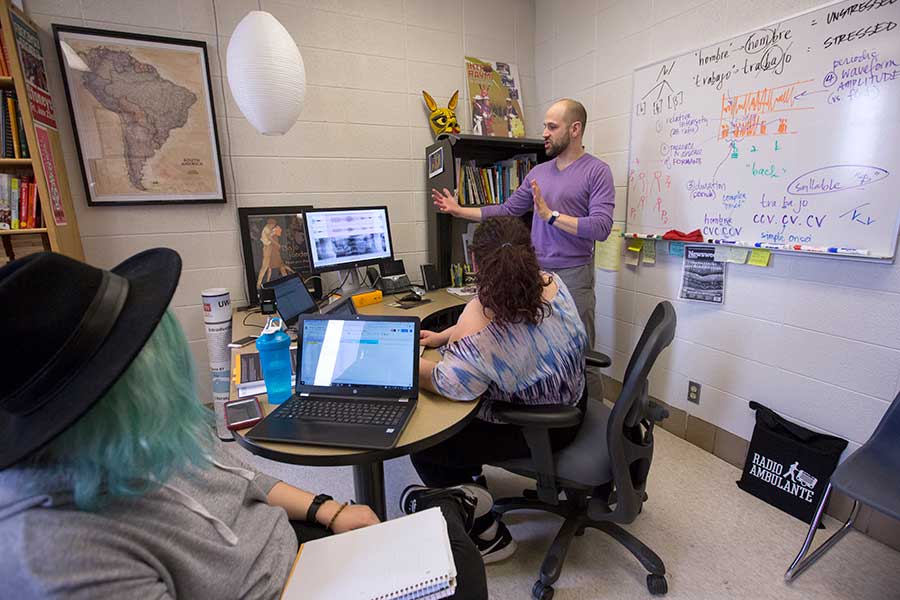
[111, 482]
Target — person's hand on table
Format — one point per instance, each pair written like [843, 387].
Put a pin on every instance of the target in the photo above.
[354, 516]
[431, 339]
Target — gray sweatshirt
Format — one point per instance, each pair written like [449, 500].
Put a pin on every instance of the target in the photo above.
[206, 534]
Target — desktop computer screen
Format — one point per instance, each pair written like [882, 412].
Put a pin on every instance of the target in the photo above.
[342, 238]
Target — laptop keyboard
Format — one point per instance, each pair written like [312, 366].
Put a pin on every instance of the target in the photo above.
[339, 411]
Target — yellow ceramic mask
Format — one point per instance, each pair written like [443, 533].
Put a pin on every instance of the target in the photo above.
[442, 120]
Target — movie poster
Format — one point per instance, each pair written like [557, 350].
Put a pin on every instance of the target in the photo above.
[494, 89]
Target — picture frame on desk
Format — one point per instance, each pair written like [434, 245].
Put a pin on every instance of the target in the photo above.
[273, 240]
[143, 117]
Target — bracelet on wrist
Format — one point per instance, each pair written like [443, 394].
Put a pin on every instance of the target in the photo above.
[334, 518]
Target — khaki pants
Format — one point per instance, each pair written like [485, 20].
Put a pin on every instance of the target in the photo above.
[580, 281]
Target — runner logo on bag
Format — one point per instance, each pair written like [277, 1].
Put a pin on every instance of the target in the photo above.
[795, 481]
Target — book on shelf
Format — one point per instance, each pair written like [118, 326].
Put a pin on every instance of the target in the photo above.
[20, 206]
[7, 149]
[5, 206]
[493, 184]
[4, 60]
[13, 141]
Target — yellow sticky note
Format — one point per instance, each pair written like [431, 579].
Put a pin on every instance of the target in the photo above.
[635, 245]
[759, 257]
[608, 253]
[649, 256]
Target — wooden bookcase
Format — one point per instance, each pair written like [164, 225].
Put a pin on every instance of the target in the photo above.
[445, 231]
[60, 231]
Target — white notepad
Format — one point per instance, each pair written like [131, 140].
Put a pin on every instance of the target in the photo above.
[405, 559]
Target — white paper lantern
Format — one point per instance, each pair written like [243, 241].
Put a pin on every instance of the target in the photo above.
[265, 73]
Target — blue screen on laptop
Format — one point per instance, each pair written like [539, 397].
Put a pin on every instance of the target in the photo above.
[340, 353]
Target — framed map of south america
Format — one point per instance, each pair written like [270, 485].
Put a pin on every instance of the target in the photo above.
[143, 117]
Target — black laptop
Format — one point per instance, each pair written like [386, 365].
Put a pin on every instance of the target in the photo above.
[357, 383]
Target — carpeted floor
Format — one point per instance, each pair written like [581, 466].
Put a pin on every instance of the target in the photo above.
[717, 541]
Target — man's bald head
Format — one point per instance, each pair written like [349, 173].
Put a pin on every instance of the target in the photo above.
[573, 112]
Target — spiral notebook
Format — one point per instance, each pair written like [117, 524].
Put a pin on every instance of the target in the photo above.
[404, 559]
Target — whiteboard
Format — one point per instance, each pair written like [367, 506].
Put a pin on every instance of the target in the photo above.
[787, 136]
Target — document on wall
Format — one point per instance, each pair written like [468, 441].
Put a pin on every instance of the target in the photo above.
[608, 253]
[702, 277]
[404, 559]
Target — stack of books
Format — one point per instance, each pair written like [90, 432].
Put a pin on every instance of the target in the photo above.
[493, 184]
[12, 129]
[19, 204]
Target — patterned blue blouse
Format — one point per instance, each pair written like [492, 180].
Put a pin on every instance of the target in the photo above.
[518, 363]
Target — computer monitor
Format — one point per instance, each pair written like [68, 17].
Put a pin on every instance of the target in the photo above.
[292, 299]
[346, 238]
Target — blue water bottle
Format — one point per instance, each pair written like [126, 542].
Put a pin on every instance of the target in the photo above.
[274, 347]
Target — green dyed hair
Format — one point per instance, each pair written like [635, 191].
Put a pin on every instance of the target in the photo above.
[149, 425]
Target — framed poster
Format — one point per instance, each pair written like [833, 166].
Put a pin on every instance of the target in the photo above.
[274, 244]
[143, 117]
[494, 88]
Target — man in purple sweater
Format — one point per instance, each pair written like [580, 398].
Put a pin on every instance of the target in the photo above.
[572, 197]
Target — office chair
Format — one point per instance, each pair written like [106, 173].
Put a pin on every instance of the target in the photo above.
[603, 472]
[870, 476]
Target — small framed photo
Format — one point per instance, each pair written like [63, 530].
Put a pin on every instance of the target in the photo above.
[274, 244]
[143, 117]
[436, 162]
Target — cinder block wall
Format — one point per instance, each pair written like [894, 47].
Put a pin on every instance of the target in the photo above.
[817, 340]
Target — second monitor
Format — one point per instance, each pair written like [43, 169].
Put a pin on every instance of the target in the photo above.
[345, 238]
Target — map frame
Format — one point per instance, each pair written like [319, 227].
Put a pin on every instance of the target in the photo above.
[212, 154]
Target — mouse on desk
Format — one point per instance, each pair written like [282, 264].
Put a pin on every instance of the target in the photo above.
[416, 294]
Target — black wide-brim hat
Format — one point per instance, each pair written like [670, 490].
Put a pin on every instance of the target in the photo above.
[70, 330]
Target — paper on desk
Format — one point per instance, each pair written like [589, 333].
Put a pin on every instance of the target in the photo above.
[608, 253]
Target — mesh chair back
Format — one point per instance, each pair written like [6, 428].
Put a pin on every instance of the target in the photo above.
[629, 433]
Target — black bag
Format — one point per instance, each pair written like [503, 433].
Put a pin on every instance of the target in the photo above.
[789, 466]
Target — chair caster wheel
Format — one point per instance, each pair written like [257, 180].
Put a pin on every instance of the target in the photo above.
[541, 591]
[657, 585]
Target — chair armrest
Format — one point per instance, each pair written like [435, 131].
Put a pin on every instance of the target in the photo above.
[549, 417]
[596, 359]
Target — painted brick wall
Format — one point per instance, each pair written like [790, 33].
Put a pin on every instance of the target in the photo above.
[816, 339]
[359, 140]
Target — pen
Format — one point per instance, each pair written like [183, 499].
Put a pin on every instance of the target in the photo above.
[723, 242]
[641, 236]
[809, 248]
[768, 246]
[855, 251]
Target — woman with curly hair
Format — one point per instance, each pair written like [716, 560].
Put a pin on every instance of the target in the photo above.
[519, 341]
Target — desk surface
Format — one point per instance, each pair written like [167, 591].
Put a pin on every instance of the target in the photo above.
[434, 420]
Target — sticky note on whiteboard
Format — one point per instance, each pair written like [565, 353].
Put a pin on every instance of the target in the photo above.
[759, 257]
[676, 248]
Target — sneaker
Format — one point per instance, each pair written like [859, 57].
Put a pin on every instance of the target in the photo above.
[475, 500]
[499, 546]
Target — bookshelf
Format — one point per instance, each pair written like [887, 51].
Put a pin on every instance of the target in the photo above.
[445, 231]
[59, 231]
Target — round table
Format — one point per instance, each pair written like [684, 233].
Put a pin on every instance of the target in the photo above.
[435, 419]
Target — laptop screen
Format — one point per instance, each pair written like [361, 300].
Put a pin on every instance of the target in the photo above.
[292, 298]
[352, 353]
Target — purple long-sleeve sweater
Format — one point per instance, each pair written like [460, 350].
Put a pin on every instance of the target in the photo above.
[584, 190]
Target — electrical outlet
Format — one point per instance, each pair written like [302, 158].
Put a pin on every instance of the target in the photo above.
[693, 392]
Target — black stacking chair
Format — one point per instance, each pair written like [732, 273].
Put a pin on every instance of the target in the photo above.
[603, 472]
[870, 476]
